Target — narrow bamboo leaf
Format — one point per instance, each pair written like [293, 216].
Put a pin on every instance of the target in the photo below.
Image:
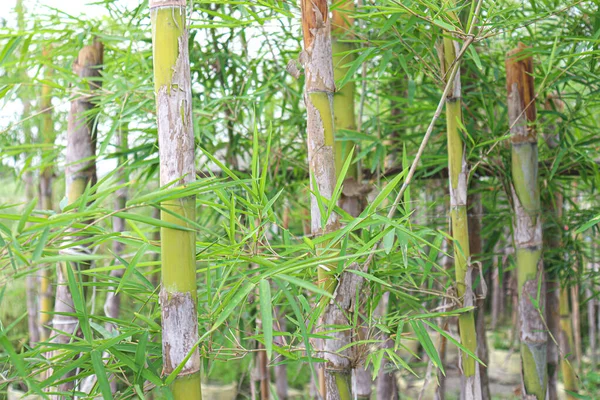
[96, 358]
[368, 277]
[232, 304]
[300, 319]
[354, 66]
[255, 162]
[26, 213]
[405, 167]
[454, 341]
[131, 266]
[337, 191]
[265, 167]
[386, 191]
[473, 53]
[266, 310]
[140, 352]
[78, 303]
[428, 346]
[151, 221]
[304, 284]
[388, 240]
[39, 248]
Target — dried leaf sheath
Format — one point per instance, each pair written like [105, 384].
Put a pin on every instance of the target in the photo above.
[176, 153]
[527, 222]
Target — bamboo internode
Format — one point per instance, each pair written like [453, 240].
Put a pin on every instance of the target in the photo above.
[527, 221]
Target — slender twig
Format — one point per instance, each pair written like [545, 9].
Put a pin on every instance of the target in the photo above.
[436, 115]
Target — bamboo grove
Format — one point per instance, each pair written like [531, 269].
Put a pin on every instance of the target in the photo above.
[299, 199]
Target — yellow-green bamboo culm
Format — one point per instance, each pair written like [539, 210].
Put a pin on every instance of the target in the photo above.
[343, 99]
[352, 199]
[176, 152]
[458, 174]
[527, 226]
[45, 190]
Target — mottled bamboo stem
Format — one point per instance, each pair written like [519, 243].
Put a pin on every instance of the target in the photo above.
[527, 222]
[80, 172]
[553, 258]
[177, 298]
[318, 97]
[566, 345]
[458, 172]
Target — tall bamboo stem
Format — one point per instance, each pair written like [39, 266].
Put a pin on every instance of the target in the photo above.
[318, 97]
[475, 211]
[79, 173]
[553, 258]
[566, 346]
[527, 222]
[457, 171]
[176, 152]
[45, 188]
[31, 288]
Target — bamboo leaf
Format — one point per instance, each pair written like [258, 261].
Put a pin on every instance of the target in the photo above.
[267, 315]
[96, 358]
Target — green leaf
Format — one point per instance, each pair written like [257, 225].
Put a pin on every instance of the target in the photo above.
[26, 213]
[425, 340]
[96, 358]
[266, 310]
[354, 66]
[131, 266]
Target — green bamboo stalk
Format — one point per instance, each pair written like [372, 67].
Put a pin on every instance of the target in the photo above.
[527, 222]
[343, 99]
[352, 199]
[458, 172]
[176, 150]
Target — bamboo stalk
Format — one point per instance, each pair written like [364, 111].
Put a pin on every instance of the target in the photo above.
[527, 222]
[45, 189]
[318, 97]
[457, 171]
[475, 211]
[112, 304]
[176, 152]
[80, 172]
[281, 381]
[566, 346]
[31, 289]
[386, 386]
[352, 199]
[576, 315]
[552, 261]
